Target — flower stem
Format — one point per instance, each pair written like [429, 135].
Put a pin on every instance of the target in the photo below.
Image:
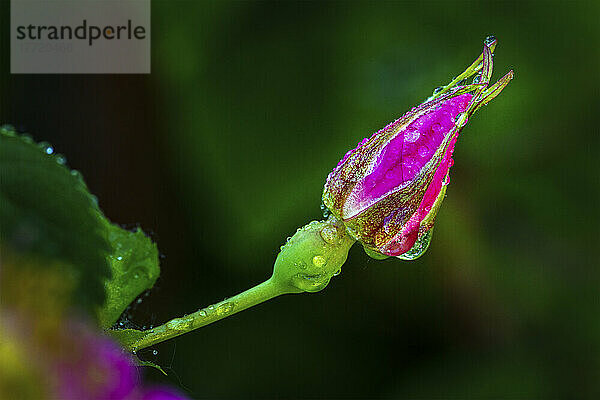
[178, 326]
[306, 263]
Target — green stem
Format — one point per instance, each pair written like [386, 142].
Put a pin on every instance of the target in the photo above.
[178, 326]
[306, 263]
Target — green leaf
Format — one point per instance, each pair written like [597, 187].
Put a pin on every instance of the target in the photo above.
[134, 264]
[46, 211]
[143, 363]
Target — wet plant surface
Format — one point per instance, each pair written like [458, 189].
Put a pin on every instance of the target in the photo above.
[221, 153]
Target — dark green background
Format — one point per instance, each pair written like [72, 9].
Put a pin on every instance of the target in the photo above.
[223, 150]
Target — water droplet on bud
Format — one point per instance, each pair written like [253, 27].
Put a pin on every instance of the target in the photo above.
[411, 135]
[489, 40]
[446, 180]
[319, 261]
[437, 128]
[419, 248]
[461, 120]
[325, 210]
[329, 233]
[300, 264]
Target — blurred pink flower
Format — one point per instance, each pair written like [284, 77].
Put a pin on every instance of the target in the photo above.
[93, 368]
[74, 362]
[96, 368]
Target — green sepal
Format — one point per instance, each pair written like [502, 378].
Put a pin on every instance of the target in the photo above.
[311, 257]
[490, 93]
[374, 254]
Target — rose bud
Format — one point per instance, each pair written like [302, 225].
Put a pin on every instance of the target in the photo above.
[388, 190]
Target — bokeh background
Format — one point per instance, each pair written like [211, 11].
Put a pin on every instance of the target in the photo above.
[221, 153]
